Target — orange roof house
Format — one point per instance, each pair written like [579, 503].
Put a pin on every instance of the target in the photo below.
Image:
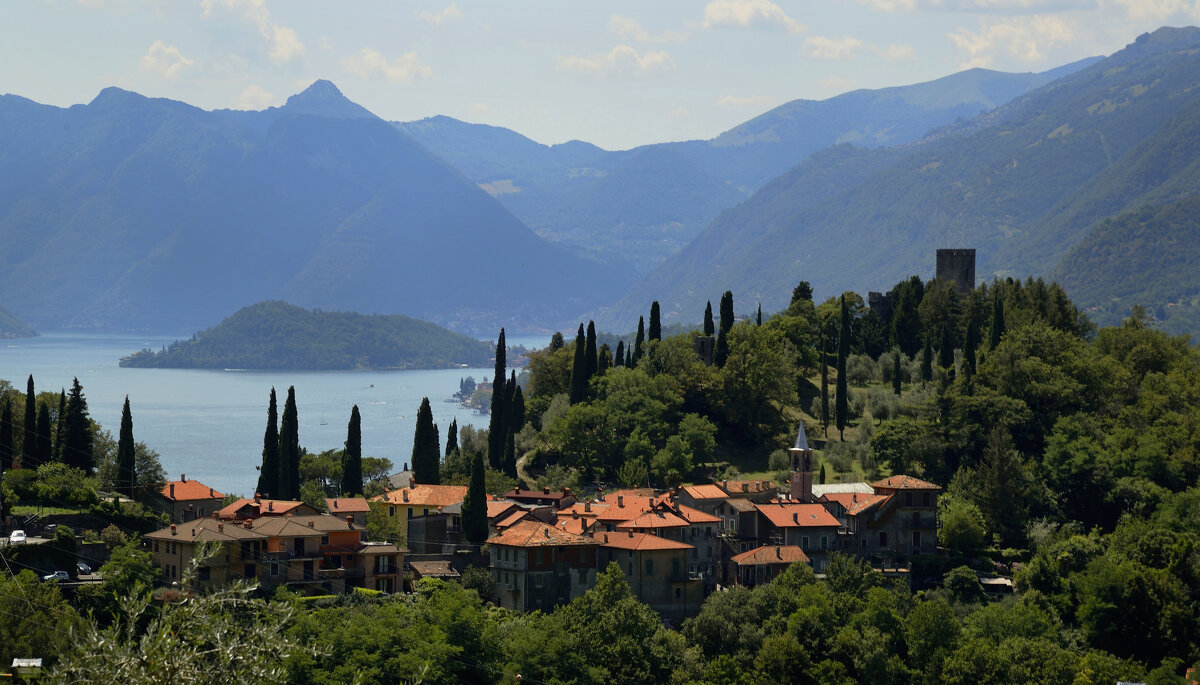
[808, 526]
[184, 500]
[902, 482]
[246, 508]
[419, 500]
[762, 564]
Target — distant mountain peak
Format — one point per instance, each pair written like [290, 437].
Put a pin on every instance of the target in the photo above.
[323, 99]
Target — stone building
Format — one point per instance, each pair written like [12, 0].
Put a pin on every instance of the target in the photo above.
[538, 566]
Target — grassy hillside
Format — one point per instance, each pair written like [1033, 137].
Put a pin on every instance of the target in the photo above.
[276, 335]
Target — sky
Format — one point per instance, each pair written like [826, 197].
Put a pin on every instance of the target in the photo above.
[617, 74]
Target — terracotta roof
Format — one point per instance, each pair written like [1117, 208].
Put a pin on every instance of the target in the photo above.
[855, 503]
[299, 526]
[695, 515]
[654, 519]
[578, 526]
[537, 534]
[740, 504]
[621, 507]
[380, 548]
[746, 487]
[206, 530]
[347, 505]
[705, 492]
[260, 507]
[902, 482]
[511, 519]
[424, 495]
[536, 494]
[497, 507]
[189, 490]
[771, 554]
[638, 541]
[433, 569]
[798, 515]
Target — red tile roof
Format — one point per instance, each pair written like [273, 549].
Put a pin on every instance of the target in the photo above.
[653, 520]
[638, 541]
[798, 515]
[902, 482]
[695, 515]
[704, 492]
[419, 495]
[347, 505]
[578, 526]
[262, 507]
[511, 519]
[855, 503]
[771, 554]
[537, 534]
[186, 490]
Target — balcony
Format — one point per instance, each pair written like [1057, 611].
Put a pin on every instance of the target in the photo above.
[330, 573]
[285, 555]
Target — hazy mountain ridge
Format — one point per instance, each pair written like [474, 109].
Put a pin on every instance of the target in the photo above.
[12, 327]
[995, 184]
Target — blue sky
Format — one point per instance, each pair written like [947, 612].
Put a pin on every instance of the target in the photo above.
[617, 74]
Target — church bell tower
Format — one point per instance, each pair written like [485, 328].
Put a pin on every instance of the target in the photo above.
[802, 468]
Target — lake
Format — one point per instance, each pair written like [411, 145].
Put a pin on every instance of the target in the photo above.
[209, 424]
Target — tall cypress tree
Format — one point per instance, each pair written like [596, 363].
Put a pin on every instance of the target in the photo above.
[824, 386]
[509, 463]
[6, 436]
[709, 328]
[604, 359]
[619, 357]
[590, 352]
[758, 317]
[474, 506]
[579, 377]
[927, 361]
[452, 437]
[946, 349]
[426, 452]
[352, 480]
[44, 450]
[60, 424]
[721, 350]
[842, 406]
[639, 343]
[655, 331]
[518, 411]
[125, 459]
[289, 449]
[496, 427]
[556, 341]
[628, 358]
[29, 432]
[77, 435]
[896, 371]
[998, 325]
[969, 346]
[268, 473]
[726, 311]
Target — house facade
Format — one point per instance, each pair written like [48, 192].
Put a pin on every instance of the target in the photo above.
[186, 500]
[537, 566]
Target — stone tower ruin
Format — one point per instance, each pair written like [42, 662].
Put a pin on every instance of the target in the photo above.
[957, 265]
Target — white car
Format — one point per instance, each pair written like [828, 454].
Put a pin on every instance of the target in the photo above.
[56, 576]
[17, 537]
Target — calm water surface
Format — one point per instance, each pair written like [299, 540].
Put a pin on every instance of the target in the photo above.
[209, 424]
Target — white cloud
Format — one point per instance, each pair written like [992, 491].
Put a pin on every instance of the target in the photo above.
[678, 113]
[253, 97]
[283, 43]
[835, 83]
[621, 59]
[736, 101]
[370, 63]
[820, 47]
[895, 52]
[749, 14]
[630, 29]
[987, 6]
[438, 18]
[164, 60]
[480, 108]
[1026, 38]
[1160, 10]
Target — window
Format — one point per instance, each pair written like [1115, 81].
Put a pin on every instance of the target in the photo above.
[204, 573]
[251, 571]
[410, 513]
[908, 499]
[804, 542]
[824, 542]
[925, 499]
[916, 541]
[538, 557]
[274, 569]
[537, 581]
[678, 594]
[324, 539]
[883, 538]
[156, 546]
[916, 519]
[391, 511]
[649, 567]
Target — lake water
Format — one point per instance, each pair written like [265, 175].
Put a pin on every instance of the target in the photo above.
[209, 424]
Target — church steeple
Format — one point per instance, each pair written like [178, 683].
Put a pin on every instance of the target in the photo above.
[802, 467]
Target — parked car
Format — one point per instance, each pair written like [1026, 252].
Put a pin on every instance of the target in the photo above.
[56, 576]
[17, 537]
[48, 531]
[83, 568]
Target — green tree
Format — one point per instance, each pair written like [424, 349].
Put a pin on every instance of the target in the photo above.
[289, 449]
[452, 437]
[268, 472]
[556, 341]
[604, 359]
[946, 350]
[28, 442]
[996, 330]
[474, 507]
[352, 480]
[44, 450]
[6, 435]
[842, 409]
[37, 620]
[969, 345]
[619, 357]
[721, 352]
[960, 525]
[426, 455]
[497, 430]
[590, 352]
[60, 428]
[931, 632]
[896, 387]
[963, 585]
[709, 327]
[824, 388]
[579, 373]
[77, 437]
[927, 362]
[126, 461]
[639, 342]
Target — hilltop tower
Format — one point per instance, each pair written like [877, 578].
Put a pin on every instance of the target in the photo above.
[957, 265]
[802, 468]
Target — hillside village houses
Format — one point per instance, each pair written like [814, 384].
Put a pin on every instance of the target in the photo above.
[545, 547]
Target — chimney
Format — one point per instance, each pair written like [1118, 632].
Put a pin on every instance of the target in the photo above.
[220, 527]
[172, 491]
[412, 482]
[183, 477]
[404, 494]
[173, 529]
[566, 491]
[249, 523]
[216, 515]
[257, 497]
[587, 506]
[631, 532]
[606, 538]
[350, 522]
[745, 487]
[210, 494]
[778, 552]
[334, 500]
[546, 532]
[270, 506]
[854, 498]
[795, 517]
[545, 491]
[310, 524]
[620, 500]
[516, 490]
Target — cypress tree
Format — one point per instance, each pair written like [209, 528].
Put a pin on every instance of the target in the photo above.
[604, 360]
[452, 438]
[518, 411]
[721, 351]
[628, 358]
[969, 348]
[802, 291]
[289, 449]
[474, 506]
[125, 459]
[998, 325]
[726, 311]
[496, 427]
[824, 387]
[77, 435]
[29, 433]
[619, 357]
[579, 377]
[946, 349]
[639, 343]
[758, 317]
[896, 371]
[268, 473]
[822, 477]
[590, 353]
[709, 328]
[842, 406]
[510, 456]
[655, 332]
[425, 453]
[60, 424]
[556, 341]
[6, 436]
[44, 448]
[352, 459]
[927, 362]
